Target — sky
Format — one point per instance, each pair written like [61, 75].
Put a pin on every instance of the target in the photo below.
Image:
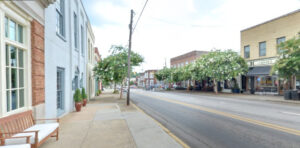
[169, 28]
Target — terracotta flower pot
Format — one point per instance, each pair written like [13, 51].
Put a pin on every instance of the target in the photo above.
[84, 102]
[78, 106]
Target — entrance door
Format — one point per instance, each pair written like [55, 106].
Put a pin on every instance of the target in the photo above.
[60, 92]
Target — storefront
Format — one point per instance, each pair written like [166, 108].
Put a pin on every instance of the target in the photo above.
[259, 81]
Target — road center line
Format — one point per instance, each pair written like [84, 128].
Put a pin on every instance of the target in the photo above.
[248, 120]
[290, 113]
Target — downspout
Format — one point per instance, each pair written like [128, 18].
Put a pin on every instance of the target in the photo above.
[71, 52]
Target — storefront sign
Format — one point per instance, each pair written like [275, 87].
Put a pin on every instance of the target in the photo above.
[262, 62]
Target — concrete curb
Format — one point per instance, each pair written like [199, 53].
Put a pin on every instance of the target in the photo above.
[178, 140]
[235, 97]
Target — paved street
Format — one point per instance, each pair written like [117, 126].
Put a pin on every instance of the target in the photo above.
[213, 121]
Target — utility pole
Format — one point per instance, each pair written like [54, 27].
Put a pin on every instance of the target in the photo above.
[129, 51]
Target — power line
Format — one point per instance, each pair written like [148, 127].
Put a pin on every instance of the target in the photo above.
[140, 16]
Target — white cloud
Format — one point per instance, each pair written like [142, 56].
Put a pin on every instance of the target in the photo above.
[172, 27]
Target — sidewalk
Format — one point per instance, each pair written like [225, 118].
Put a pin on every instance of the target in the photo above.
[238, 96]
[107, 122]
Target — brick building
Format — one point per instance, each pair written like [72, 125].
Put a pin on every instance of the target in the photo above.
[22, 57]
[186, 58]
[259, 48]
[150, 81]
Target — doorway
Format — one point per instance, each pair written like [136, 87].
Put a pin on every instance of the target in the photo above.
[60, 91]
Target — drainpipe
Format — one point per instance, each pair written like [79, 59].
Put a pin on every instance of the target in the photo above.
[71, 52]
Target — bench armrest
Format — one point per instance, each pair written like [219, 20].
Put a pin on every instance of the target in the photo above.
[33, 131]
[57, 119]
[2, 140]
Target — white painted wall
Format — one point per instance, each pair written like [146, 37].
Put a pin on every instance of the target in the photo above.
[61, 53]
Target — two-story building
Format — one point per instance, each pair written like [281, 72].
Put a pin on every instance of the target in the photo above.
[91, 62]
[185, 59]
[67, 31]
[150, 81]
[260, 50]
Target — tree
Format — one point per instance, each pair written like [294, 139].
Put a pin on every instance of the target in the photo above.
[113, 69]
[219, 66]
[288, 65]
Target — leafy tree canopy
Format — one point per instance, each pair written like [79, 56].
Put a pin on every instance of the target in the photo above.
[113, 69]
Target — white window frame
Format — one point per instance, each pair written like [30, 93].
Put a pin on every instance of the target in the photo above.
[62, 13]
[75, 26]
[14, 13]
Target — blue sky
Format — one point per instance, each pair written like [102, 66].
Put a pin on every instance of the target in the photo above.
[172, 27]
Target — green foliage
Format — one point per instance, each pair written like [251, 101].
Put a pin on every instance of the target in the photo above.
[98, 92]
[221, 65]
[77, 96]
[131, 83]
[115, 92]
[289, 61]
[113, 69]
[218, 65]
[83, 94]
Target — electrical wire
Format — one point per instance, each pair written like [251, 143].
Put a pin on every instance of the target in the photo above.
[140, 16]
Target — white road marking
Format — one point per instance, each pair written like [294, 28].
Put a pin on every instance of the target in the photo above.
[290, 113]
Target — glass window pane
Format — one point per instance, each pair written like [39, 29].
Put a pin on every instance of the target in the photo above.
[7, 55]
[13, 56]
[8, 101]
[12, 30]
[21, 97]
[7, 79]
[20, 33]
[14, 99]
[6, 27]
[21, 58]
[21, 78]
[13, 78]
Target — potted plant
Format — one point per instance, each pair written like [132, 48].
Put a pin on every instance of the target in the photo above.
[77, 98]
[236, 88]
[84, 97]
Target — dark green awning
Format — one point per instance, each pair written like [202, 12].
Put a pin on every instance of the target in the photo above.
[257, 71]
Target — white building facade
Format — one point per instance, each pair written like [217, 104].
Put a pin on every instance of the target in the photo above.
[90, 79]
[65, 55]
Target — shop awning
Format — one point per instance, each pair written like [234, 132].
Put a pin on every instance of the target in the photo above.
[258, 71]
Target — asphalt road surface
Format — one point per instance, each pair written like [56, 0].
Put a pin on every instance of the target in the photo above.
[218, 122]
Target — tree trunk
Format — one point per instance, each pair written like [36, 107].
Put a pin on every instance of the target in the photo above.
[215, 86]
[115, 86]
[293, 82]
[121, 91]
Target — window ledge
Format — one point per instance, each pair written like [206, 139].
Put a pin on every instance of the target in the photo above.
[61, 37]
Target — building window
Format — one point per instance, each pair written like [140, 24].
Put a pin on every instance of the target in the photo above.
[82, 40]
[13, 31]
[262, 49]
[14, 65]
[75, 31]
[278, 41]
[60, 16]
[246, 51]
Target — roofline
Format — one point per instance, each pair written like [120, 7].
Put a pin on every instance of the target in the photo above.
[276, 18]
[188, 53]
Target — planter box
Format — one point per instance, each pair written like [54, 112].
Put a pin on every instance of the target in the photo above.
[294, 95]
[287, 95]
[236, 90]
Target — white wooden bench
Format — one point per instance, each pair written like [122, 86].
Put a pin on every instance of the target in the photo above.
[23, 125]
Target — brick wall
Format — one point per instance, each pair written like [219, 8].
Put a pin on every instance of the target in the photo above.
[286, 26]
[38, 63]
